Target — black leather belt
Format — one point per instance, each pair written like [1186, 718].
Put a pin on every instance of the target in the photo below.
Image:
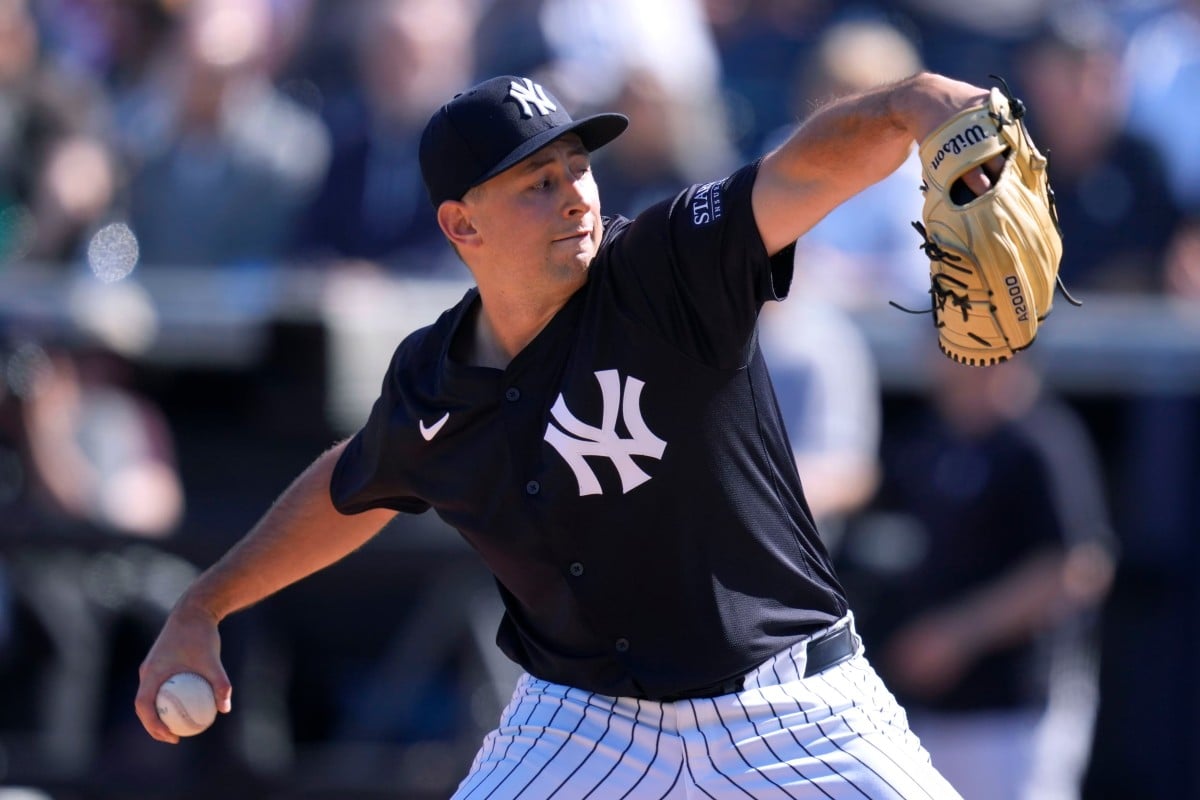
[830, 650]
[825, 651]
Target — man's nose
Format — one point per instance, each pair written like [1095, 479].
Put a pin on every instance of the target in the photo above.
[575, 198]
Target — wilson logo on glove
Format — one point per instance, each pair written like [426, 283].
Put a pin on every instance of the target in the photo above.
[960, 142]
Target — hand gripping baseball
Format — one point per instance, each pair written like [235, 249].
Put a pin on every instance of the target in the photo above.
[189, 642]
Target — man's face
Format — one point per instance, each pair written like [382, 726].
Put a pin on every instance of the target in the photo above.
[540, 217]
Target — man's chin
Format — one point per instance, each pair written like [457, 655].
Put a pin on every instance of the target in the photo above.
[574, 266]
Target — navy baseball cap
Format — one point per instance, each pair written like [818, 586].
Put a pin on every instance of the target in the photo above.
[488, 128]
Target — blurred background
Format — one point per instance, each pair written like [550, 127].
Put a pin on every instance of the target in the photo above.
[213, 234]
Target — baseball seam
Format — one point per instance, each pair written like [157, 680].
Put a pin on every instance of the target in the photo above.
[179, 706]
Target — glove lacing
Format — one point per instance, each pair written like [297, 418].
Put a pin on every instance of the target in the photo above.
[939, 295]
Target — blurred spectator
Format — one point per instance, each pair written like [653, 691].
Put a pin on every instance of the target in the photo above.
[510, 39]
[827, 384]
[102, 454]
[1155, 595]
[116, 41]
[1162, 67]
[227, 161]
[87, 479]
[54, 176]
[602, 48]
[1155, 602]
[290, 32]
[1183, 261]
[865, 252]
[76, 189]
[985, 18]
[1111, 186]
[978, 573]
[595, 43]
[410, 55]
[656, 157]
[93, 450]
[758, 41]
[973, 40]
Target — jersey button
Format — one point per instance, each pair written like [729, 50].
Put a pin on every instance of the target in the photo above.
[622, 645]
[533, 487]
[576, 569]
[512, 394]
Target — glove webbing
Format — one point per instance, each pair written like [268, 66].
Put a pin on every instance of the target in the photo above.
[1017, 106]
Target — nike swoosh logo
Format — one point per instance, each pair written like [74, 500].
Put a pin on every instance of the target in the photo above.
[432, 430]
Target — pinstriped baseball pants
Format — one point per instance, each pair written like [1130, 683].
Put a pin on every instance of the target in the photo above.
[838, 734]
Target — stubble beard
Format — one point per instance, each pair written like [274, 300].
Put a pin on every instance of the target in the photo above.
[575, 267]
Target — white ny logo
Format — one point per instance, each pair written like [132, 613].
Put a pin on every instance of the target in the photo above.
[528, 93]
[586, 440]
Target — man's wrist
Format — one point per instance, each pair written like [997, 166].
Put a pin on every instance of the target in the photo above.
[925, 101]
[196, 603]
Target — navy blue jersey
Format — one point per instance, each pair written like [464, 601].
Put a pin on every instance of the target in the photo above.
[627, 477]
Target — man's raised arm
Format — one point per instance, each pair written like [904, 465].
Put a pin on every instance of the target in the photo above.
[849, 144]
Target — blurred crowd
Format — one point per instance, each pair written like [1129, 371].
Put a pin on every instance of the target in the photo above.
[241, 132]
[257, 135]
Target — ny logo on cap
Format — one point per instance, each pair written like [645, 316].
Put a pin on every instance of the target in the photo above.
[530, 92]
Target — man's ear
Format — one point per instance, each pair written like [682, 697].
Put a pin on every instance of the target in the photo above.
[455, 221]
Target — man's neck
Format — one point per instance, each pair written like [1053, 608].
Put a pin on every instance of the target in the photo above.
[504, 325]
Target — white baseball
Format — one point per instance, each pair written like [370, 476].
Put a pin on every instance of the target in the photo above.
[186, 704]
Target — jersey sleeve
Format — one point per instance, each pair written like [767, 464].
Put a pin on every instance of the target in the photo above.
[695, 267]
[372, 471]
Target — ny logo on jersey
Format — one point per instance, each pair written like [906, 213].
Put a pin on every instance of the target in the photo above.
[577, 440]
[530, 92]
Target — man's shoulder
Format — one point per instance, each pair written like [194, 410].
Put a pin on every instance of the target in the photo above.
[698, 205]
[614, 227]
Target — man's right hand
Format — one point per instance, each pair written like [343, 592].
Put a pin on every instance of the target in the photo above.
[188, 642]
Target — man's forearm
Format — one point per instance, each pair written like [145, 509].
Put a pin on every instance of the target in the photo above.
[864, 135]
[847, 145]
[300, 534]
[1024, 601]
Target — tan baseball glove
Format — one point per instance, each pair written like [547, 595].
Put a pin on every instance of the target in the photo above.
[994, 257]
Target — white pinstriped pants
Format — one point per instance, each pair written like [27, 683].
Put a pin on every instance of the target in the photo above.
[838, 734]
